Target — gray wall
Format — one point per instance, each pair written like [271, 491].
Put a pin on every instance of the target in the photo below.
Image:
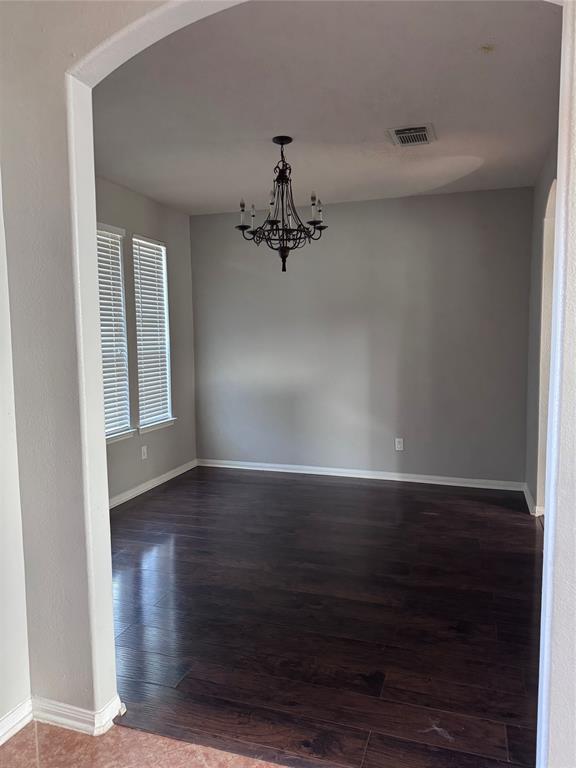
[409, 318]
[545, 179]
[172, 446]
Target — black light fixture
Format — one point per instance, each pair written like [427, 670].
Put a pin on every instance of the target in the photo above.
[283, 229]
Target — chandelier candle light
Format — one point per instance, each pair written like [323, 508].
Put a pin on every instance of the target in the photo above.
[283, 230]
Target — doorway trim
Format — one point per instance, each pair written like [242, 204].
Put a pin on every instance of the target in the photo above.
[545, 337]
[556, 743]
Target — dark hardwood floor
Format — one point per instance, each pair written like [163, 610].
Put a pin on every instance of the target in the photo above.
[316, 621]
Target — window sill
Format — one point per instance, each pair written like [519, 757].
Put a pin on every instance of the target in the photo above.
[121, 436]
[158, 425]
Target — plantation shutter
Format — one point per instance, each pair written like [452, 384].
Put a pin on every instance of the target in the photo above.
[113, 333]
[152, 332]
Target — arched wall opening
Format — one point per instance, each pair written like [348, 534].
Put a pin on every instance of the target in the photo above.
[80, 81]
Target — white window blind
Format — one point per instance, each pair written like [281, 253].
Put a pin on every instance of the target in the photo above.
[152, 332]
[113, 333]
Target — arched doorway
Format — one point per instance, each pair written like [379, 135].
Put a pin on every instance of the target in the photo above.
[81, 79]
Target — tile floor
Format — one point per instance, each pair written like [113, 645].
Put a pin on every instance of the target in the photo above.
[45, 746]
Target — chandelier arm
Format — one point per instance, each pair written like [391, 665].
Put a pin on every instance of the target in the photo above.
[276, 206]
[285, 219]
[298, 220]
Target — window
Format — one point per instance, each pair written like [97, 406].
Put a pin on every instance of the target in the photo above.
[152, 332]
[113, 332]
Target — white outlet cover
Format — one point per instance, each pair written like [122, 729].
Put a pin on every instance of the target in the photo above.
[144, 451]
[399, 443]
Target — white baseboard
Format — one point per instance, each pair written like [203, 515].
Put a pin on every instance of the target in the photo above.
[368, 474]
[534, 509]
[14, 720]
[529, 499]
[75, 718]
[149, 484]
[300, 469]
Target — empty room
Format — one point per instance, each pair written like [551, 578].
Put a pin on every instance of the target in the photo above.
[313, 287]
[351, 573]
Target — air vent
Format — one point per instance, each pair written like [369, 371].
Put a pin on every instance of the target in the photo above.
[412, 136]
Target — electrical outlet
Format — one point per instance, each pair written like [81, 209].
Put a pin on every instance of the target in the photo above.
[144, 451]
[399, 444]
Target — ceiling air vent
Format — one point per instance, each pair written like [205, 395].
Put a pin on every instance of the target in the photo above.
[412, 136]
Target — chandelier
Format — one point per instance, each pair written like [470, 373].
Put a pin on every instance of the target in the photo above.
[283, 230]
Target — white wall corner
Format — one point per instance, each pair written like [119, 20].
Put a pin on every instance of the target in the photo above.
[94, 723]
[149, 484]
[530, 501]
[15, 720]
[534, 509]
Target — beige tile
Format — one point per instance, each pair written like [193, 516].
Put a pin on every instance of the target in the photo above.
[20, 750]
[45, 746]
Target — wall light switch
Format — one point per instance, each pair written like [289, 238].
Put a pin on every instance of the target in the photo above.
[399, 443]
[144, 451]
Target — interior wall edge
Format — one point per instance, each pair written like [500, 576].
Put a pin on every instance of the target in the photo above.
[14, 638]
[541, 188]
[536, 510]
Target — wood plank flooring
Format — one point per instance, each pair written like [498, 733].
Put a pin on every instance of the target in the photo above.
[315, 621]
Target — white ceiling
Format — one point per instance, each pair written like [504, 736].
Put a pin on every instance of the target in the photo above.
[189, 121]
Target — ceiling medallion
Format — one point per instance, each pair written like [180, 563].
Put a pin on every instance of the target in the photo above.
[283, 229]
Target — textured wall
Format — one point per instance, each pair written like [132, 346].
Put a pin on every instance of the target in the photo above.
[14, 666]
[172, 446]
[409, 318]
